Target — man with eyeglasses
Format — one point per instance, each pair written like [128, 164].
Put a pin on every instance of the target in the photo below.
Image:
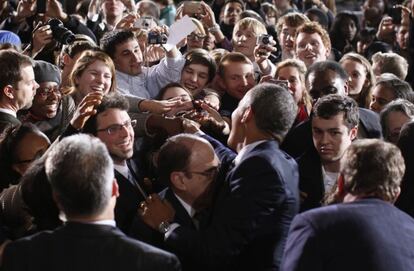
[17, 86]
[189, 166]
[113, 126]
[50, 111]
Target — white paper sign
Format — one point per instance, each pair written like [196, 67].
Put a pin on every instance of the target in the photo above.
[178, 31]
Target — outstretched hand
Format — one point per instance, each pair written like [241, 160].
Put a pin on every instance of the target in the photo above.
[86, 109]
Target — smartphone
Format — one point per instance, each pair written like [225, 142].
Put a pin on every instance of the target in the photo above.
[395, 14]
[41, 6]
[192, 7]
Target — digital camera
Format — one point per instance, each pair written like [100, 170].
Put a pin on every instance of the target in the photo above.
[264, 39]
[157, 38]
[61, 33]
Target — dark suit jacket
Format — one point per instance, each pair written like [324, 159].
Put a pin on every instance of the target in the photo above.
[299, 138]
[256, 203]
[139, 230]
[6, 120]
[77, 246]
[311, 180]
[127, 203]
[365, 235]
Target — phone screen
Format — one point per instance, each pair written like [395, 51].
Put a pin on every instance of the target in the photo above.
[41, 6]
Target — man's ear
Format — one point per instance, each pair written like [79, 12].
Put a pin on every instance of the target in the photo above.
[8, 91]
[177, 180]
[115, 188]
[247, 115]
[66, 59]
[346, 87]
[353, 133]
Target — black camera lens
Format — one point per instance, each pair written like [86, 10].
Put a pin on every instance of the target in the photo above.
[61, 33]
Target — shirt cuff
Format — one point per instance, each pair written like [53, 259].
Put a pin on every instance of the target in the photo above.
[173, 226]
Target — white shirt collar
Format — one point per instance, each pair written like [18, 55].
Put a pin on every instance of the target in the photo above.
[245, 150]
[108, 222]
[190, 210]
[8, 111]
[123, 169]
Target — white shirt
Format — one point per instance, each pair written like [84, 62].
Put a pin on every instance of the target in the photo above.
[148, 83]
[8, 111]
[123, 169]
[329, 179]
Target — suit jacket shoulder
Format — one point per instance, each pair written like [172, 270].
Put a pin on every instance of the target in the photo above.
[78, 246]
[367, 234]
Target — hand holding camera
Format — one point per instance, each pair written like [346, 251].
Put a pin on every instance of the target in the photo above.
[158, 35]
[265, 45]
[42, 35]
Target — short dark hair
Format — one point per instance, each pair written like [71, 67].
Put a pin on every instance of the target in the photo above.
[273, 107]
[235, 1]
[322, 66]
[372, 167]
[11, 63]
[201, 57]
[171, 85]
[400, 88]
[80, 172]
[174, 155]
[331, 105]
[400, 105]
[232, 57]
[112, 39]
[108, 101]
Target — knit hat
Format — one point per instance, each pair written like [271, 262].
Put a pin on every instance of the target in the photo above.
[46, 72]
[9, 37]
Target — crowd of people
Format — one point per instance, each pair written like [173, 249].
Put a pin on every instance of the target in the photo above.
[276, 135]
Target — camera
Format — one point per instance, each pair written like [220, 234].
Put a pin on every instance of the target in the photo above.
[145, 23]
[264, 39]
[191, 8]
[157, 38]
[61, 33]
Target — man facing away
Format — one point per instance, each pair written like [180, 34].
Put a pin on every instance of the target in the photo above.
[81, 175]
[258, 195]
[365, 232]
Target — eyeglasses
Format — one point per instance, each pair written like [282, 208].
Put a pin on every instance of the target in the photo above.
[116, 128]
[46, 92]
[210, 173]
[196, 36]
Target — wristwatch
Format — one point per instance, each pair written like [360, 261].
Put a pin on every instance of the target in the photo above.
[164, 227]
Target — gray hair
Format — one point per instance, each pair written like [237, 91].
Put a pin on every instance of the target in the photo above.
[80, 172]
[274, 109]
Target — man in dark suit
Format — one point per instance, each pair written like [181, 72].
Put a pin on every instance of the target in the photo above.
[366, 232]
[113, 126]
[324, 78]
[256, 199]
[334, 127]
[188, 165]
[81, 175]
[17, 86]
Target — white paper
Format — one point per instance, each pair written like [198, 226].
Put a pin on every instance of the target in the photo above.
[178, 31]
